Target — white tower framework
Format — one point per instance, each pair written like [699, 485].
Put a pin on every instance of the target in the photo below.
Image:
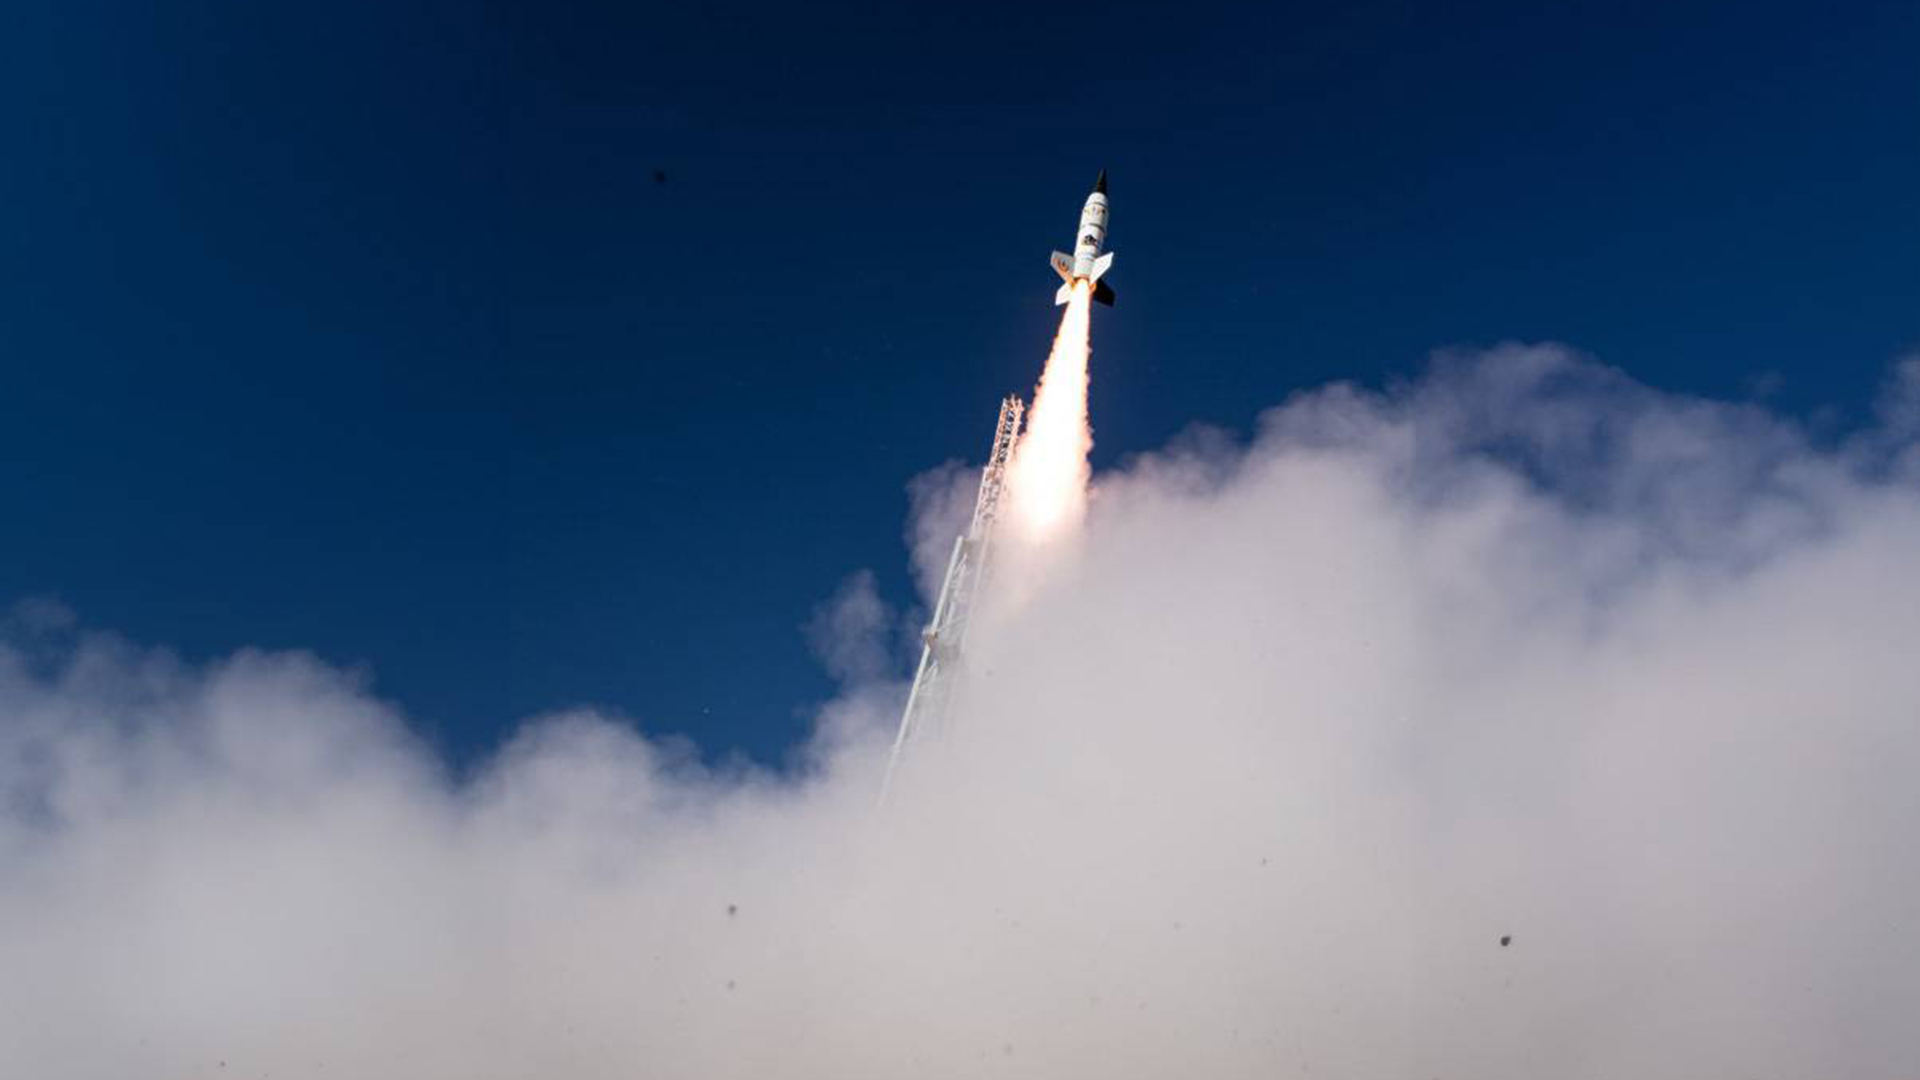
[945, 637]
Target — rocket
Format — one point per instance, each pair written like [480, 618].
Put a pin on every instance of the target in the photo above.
[1087, 263]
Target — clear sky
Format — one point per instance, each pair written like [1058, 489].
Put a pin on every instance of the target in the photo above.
[575, 353]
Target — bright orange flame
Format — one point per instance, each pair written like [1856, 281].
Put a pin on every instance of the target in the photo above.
[1047, 479]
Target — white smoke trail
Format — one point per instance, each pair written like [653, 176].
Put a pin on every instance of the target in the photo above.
[1047, 479]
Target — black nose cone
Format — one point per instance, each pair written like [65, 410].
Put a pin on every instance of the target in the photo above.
[1100, 185]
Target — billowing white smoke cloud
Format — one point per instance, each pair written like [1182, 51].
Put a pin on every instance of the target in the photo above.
[1253, 787]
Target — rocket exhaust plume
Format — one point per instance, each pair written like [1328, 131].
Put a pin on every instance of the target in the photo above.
[1047, 481]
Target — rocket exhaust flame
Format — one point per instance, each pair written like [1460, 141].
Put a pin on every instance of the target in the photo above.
[1047, 482]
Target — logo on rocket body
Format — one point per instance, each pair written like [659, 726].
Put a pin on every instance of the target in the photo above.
[1087, 263]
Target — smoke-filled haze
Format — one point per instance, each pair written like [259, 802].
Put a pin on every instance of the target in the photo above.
[1253, 785]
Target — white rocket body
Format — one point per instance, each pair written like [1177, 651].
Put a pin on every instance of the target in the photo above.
[1087, 263]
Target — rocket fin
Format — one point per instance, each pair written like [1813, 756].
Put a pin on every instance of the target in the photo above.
[1063, 265]
[1100, 266]
[1063, 295]
[1103, 293]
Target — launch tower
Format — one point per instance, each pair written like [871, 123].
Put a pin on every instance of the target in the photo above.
[946, 634]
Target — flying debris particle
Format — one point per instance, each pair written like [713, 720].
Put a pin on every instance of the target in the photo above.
[1506, 940]
[732, 910]
[659, 176]
[729, 985]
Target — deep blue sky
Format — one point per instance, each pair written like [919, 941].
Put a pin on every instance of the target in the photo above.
[367, 327]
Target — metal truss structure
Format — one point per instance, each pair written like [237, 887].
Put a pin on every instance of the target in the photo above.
[945, 638]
